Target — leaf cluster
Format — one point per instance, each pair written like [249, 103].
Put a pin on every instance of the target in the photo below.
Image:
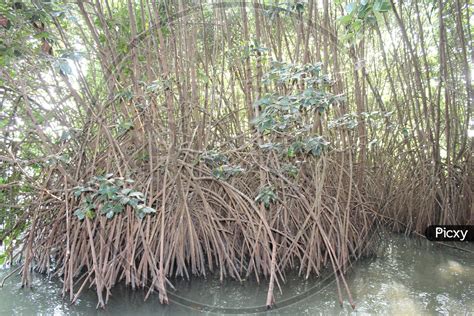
[109, 196]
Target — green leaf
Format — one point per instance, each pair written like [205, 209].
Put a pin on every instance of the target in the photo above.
[345, 20]
[371, 20]
[148, 210]
[108, 191]
[266, 196]
[290, 170]
[350, 7]
[405, 132]
[106, 208]
[137, 195]
[42, 35]
[124, 200]
[90, 214]
[315, 145]
[80, 213]
[63, 66]
[126, 94]
[291, 152]
[3, 258]
[299, 6]
[118, 208]
[357, 25]
[382, 5]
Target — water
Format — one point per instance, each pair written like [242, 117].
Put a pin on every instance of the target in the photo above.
[408, 277]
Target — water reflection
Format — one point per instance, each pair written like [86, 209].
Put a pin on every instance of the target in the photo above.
[408, 277]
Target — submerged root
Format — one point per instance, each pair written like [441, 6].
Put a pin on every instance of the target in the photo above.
[206, 225]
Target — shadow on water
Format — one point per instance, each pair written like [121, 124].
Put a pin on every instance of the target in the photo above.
[407, 277]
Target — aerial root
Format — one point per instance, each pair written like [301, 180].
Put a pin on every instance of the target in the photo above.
[203, 224]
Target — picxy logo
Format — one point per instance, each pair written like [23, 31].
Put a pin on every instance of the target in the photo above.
[450, 233]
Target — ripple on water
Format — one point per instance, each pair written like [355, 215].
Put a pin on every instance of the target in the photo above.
[408, 277]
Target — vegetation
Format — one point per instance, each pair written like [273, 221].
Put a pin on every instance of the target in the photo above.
[144, 140]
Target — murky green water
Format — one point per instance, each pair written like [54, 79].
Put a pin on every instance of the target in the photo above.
[408, 277]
